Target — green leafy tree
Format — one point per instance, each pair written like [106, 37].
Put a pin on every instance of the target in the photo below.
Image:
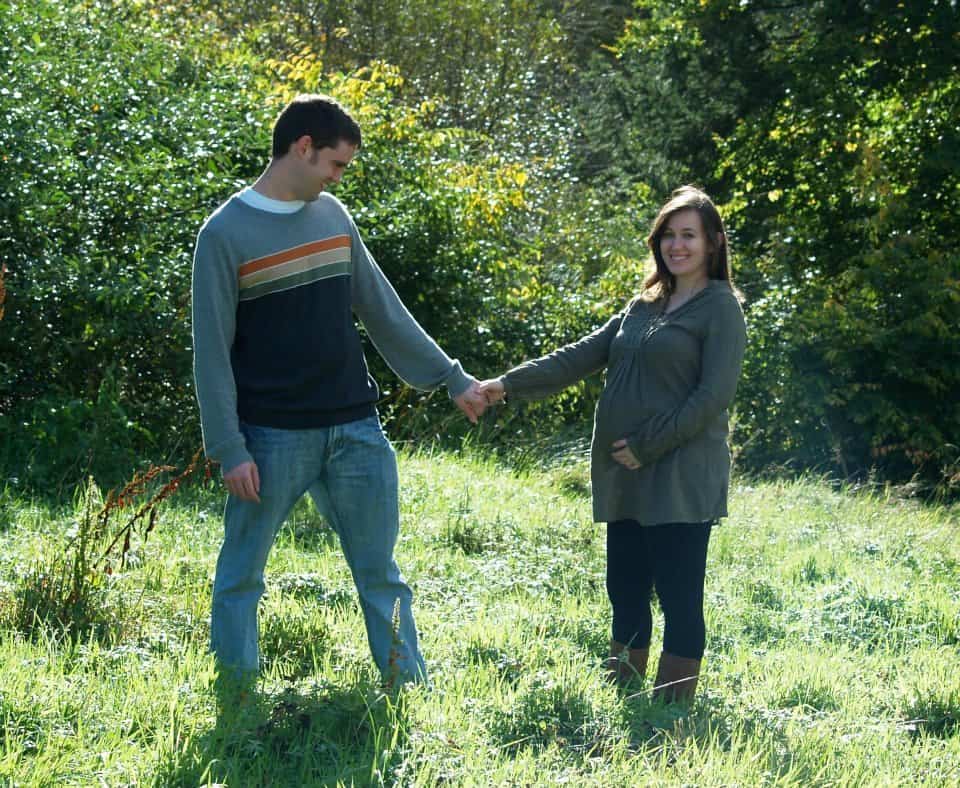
[829, 130]
[843, 194]
[116, 142]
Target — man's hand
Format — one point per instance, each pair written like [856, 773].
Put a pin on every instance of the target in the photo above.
[472, 402]
[244, 482]
[623, 455]
[493, 391]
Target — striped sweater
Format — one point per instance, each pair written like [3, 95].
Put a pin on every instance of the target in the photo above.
[274, 337]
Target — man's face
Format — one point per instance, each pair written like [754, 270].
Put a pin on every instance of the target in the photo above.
[325, 166]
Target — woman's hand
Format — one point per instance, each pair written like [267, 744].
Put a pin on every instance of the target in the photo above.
[623, 455]
[493, 390]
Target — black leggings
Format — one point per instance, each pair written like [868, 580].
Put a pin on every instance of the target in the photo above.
[671, 558]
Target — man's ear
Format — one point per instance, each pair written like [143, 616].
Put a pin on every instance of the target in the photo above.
[302, 145]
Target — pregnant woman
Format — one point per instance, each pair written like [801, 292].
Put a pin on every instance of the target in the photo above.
[660, 464]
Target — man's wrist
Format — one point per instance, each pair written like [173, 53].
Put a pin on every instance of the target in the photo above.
[459, 382]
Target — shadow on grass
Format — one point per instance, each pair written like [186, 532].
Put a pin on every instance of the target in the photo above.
[651, 723]
[659, 729]
[718, 724]
[550, 713]
[318, 735]
[933, 713]
[308, 531]
[591, 640]
[509, 666]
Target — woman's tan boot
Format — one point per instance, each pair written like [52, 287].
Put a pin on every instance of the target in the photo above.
[676, 678]
[626, 664]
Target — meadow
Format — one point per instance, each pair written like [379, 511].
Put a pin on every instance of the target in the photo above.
[833, 620]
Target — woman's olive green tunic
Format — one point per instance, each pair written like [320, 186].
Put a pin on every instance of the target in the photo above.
[670, 379]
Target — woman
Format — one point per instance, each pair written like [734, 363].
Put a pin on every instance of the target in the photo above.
[660, 465]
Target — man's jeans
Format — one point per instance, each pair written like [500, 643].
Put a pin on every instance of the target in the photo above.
[350, 471]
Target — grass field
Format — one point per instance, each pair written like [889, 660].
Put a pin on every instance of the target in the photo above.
[833, 653]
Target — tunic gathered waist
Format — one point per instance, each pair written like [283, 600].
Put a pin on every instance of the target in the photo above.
[670, 379]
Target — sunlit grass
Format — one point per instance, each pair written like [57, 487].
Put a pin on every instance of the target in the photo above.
[833, 621]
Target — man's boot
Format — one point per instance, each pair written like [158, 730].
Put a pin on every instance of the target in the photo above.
[676, 678]
[626, 664]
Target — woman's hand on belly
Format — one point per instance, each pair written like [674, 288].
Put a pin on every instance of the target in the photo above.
[622, 454]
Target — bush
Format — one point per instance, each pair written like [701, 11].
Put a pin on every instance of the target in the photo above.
[841, 200]
[117, 141]
[142, 139]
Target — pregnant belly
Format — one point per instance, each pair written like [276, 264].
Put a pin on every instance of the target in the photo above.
[613, 423]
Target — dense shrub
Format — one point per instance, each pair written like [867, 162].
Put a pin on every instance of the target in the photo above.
[828, 132]
[843, 199]
[119, 139]
[116, 143]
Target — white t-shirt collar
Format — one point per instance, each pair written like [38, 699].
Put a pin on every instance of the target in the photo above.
[254, 199]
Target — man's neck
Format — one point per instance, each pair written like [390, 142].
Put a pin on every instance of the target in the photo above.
[274, 184]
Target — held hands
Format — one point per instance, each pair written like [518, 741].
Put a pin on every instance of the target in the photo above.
[472, 402]
[244, 481]
[622, 454]
[493, 390]
[475, 400]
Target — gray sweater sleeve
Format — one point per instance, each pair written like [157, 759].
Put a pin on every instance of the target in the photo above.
[721, 360]
[215, 294]
[563, 367]
[409, 351]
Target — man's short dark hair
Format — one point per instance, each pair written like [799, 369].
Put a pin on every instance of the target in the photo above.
[321, 117]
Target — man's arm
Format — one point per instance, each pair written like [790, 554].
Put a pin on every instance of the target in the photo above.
[409, 351]
[214, 307]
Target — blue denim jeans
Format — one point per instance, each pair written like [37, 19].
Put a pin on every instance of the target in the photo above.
[350, 471]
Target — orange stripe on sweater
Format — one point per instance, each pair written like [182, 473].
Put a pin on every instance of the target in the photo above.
[287, 255]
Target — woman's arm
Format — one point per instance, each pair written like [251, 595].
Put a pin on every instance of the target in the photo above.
[541, 377]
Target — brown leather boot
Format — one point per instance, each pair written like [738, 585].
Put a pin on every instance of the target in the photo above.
[676, 678]
[626, 664]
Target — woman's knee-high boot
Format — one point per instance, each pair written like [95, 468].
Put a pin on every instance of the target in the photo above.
[626, 664]
[676, 678]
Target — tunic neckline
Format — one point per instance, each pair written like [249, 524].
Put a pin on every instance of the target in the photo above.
[708, 286]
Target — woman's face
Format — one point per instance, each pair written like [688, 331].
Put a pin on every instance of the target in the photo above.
[684, 246]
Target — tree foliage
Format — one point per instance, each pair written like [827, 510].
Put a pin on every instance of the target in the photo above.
[141, 139]
[514, 154]
[115, 146]
[829, 130]
[843, 195]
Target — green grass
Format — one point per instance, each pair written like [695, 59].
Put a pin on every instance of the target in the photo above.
[833, 649]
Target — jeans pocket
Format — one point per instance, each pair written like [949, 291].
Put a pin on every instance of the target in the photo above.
[268, 442]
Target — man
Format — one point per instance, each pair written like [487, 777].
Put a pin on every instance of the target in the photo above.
[286, 403]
